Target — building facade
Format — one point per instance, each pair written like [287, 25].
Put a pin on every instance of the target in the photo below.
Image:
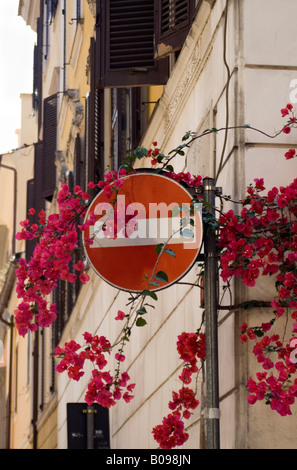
[110, 75]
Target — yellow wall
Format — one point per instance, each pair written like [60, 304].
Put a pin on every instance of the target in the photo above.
[75, 79]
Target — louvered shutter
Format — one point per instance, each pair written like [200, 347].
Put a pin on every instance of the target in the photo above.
[94, 125]
[30, 244]
[34, 194]
[125, 44]
[78, 177]
[49, 147]
[173, 21]
[59, 299]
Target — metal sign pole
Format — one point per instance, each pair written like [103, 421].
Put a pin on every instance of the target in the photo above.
[211, 325]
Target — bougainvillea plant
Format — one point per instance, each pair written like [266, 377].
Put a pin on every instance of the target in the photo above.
[259, 239]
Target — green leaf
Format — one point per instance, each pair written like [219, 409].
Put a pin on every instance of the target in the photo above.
[140, 152]
[150, 294]
[250, 214]
[140, 322]
[158, 248]
[149, 305]
[141, 311]
[169, 252]
[259, 333]
[161, 276]
[152, 283]
[169, 168]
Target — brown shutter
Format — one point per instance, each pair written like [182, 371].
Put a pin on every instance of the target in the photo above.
[94, 125]
[34, 194]
[173, 22]
[125, 44]
[59, 300]
[49, 146]
[30, 244]
[78, 177]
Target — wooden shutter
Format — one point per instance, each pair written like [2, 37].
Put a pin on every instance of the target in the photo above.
[173, 22]
[78, 165]
[125, 44]
[49, 146]
[94, 168]
[30, 244]
[34, 194]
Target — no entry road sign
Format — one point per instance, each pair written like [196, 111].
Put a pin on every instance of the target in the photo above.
[151, 209]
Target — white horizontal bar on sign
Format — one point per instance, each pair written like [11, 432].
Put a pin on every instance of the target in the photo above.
[144, 232]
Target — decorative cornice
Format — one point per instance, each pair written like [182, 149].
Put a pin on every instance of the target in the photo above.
[180, 93]
[75, 106]
[61, 165]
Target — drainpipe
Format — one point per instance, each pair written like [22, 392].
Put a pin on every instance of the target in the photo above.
[14, 201]
[211, 325]
[10, 386]
[35, 390]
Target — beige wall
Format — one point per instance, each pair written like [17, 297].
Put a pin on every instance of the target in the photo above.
[260, 38]
[16, 170]
[259, 55]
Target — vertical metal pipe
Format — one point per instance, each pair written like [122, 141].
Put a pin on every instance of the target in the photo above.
[9, 417]
[35, 389]
[211, 325]
[64, 47]
[90, 428]
[14, 201]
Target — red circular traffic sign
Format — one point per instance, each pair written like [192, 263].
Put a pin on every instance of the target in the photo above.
[149, 211]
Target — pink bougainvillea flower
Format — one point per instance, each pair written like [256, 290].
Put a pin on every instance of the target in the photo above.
[120, 357]
[79, 266]
[84, 278]
[120, 315]
[290, 154]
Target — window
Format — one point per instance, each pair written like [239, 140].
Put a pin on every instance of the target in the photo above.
[94, 165]
[49, 146]
[34, 196]
[125, 44]
[173, 21]
[128, 114]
